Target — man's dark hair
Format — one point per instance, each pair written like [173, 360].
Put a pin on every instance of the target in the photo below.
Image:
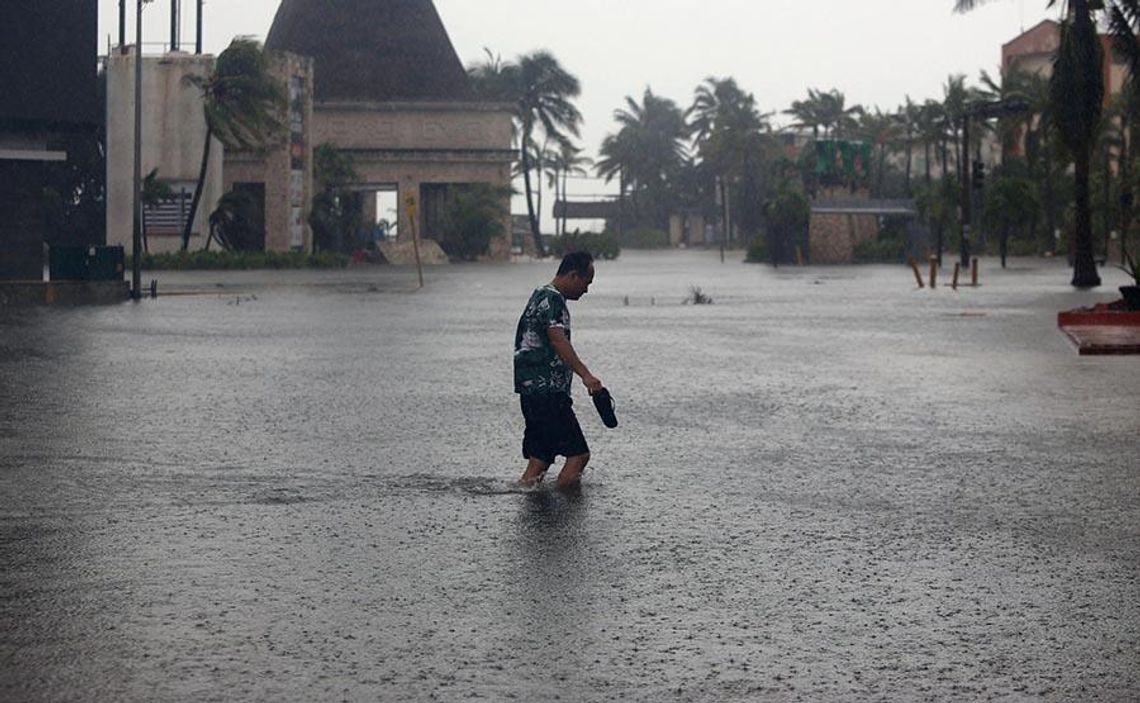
[577, 262]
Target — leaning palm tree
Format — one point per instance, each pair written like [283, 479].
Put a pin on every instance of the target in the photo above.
[1076, 99]
[243, 104]
[545, 93]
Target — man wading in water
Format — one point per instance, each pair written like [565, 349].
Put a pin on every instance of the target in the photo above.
[544, 364]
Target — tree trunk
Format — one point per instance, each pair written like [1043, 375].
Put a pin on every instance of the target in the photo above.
[1004, 244]
[1124, 168]
[565, 177]
[926, 156]
[1084, 265]
[882, 166]
[1050, 209]
[909, 154]
[194, 202]
[539, 250]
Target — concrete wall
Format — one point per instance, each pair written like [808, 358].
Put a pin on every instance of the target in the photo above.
[173, 135]
[832, 238]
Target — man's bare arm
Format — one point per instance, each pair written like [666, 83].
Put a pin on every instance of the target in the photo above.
[565, 351]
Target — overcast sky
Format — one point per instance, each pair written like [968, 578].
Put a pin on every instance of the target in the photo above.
[874, 51]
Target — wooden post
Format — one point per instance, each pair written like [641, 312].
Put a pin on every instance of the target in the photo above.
[917, 273]
[974, 272]
[933, 272]
[957, 270]
[410, 204]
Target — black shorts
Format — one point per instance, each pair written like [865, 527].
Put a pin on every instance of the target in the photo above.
[551, 427]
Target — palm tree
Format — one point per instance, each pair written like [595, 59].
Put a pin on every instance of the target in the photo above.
[243, 105]
[1013, 85]
[1124, 23]
[545, 92]
[806, 113]
[567, 161]
[1077, 95]
[837, 119]
[882, 131]
[908, 117]
[1010, 204]
[827, 111]
[542, 93]
[653, 133]
[616, 152]
[726, 126]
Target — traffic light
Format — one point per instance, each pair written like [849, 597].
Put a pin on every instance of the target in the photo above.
[979, 181]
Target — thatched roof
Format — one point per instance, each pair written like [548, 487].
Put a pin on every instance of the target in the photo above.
[372, 50]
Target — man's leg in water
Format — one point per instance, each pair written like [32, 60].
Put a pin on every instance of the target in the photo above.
[535, 469]
[572, 470]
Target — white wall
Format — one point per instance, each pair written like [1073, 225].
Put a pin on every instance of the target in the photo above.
[174, 131]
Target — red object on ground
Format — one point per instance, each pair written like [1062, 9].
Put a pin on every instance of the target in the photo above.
[1106, 328]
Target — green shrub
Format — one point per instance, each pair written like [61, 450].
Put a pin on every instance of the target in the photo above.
[757, 251]
[887, 251]
[473, 215]
[600, 246]
[645, 238]
[231, 260]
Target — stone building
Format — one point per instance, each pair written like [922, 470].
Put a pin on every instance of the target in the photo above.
[280, 178]
[390, 91]
[1034, 50]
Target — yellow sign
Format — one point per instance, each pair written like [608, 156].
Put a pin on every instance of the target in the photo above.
[410, 204]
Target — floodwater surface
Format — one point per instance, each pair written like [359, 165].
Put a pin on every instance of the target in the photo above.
[826, 485]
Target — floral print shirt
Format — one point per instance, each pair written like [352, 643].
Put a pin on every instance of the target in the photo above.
[538, 369]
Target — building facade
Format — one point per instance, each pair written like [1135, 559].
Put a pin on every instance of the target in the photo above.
[391, 93]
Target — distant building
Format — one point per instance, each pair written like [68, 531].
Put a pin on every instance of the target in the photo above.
[390, 91]
[379, 79]
[1034, 50]
[48, 102]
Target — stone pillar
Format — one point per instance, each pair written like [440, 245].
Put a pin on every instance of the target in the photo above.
[368, 212]
[676, 229]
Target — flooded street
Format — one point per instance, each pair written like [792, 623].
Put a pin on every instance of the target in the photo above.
[827, 485]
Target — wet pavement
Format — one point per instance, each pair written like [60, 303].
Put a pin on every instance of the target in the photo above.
[827, 485]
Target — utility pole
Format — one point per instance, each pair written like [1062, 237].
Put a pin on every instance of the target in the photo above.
[198, 44]
[136, 234]
[122, 27]
[964, 197]
[175, 21]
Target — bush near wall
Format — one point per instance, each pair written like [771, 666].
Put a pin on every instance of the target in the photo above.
[757, 251]
[645, 238]
[881, 251]
[599, 246]
[232, 260]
